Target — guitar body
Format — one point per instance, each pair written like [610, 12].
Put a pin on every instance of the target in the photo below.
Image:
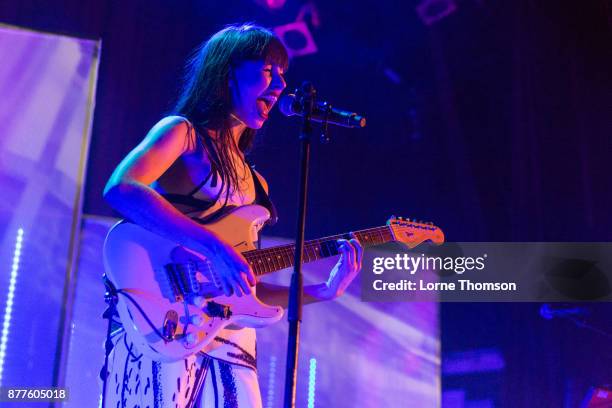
[168, 302]
[168, 324]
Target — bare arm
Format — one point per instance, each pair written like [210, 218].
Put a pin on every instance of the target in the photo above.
[341, 276]
[128, 192]
[279, 295]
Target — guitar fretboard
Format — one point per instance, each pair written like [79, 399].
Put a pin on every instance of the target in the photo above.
[280, 257]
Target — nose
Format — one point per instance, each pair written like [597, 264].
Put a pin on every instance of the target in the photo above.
[278, 82]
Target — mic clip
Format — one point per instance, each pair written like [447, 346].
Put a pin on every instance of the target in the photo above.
[324, 125]
[306, 96]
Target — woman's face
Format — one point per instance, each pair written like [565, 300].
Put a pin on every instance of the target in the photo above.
[255, 87]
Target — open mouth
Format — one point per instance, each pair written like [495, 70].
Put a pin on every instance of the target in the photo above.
[268, 100]
[265, 104]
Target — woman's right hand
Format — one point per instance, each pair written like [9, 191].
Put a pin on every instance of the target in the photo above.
[233, 273]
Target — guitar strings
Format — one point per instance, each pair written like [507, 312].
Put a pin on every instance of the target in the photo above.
[279, 257]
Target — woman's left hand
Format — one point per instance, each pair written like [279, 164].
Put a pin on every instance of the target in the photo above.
[347, 268]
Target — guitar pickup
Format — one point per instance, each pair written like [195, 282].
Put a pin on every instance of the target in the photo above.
[214, 309]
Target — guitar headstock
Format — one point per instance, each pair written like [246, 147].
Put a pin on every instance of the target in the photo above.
[412, 233]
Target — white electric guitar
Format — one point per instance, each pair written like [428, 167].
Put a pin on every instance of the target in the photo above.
[167, 300]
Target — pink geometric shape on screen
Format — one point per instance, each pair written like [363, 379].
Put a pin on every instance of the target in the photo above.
[431, 11]
[297, 38]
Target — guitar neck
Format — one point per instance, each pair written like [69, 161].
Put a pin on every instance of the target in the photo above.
[280, 257]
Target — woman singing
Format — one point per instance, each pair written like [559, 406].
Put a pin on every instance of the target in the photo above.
[190, 167]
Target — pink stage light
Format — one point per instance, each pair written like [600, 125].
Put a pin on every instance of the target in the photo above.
[431, 11]
[271, 4]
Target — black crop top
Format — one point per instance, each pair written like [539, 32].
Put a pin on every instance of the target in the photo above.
[198, 205]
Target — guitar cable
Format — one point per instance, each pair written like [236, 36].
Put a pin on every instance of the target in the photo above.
[111, 299]
[144, 315]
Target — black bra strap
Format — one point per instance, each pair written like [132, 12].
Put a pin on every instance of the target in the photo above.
[196, 204]
[199, 186]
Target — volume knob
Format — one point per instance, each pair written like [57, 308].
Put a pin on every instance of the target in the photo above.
[198, 301]
[190, 339]
[197, 320]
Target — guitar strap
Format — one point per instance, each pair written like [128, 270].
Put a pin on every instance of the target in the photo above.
[262, 198]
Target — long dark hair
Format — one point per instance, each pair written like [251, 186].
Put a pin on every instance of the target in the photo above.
[205, 98]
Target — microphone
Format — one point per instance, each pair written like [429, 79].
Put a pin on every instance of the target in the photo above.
[321, 112]
[550, 311]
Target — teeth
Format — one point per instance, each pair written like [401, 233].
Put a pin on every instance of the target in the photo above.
[270, 99]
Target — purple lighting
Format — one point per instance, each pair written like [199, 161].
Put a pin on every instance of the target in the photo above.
[474, 361]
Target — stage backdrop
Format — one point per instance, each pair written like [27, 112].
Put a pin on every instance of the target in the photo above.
[353, 354]
[47, 88]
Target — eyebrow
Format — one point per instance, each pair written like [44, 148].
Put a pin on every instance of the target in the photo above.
[272, 64]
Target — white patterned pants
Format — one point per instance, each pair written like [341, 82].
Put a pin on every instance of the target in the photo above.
[136, 381]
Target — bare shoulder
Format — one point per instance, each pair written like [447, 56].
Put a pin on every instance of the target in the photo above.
[175, 130]
[168, 139]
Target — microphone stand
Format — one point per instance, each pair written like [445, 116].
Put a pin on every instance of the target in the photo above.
[296, 290]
